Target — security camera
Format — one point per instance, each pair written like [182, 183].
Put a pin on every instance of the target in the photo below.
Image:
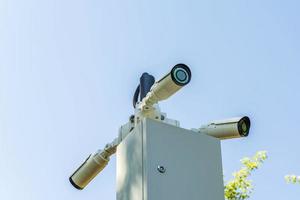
[179, 76]
[226, 129]
[92, 166]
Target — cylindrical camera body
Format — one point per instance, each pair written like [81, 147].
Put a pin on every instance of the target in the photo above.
[227, 129]
[179, 76]
[94, 164]
[165, 88]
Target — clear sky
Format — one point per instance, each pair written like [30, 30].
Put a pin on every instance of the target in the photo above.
[68, 70]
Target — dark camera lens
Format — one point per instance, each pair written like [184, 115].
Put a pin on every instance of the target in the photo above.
[181, 74]
[244, 126]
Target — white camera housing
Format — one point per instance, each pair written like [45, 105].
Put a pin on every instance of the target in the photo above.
[179, 76]
[226, 129]
[92, 166]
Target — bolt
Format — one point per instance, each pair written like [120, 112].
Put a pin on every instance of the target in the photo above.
[161, 169]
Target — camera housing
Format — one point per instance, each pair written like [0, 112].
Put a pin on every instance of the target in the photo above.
[228, 128]
[179, 76]
[91, 167]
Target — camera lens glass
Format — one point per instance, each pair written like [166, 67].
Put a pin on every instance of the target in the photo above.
[244, 126]
[181, 75]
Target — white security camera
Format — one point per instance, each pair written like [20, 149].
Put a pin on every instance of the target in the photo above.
[92, 166]
[179, 76]
[228, 128]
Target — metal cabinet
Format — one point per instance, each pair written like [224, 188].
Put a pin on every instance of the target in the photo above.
[163, 162]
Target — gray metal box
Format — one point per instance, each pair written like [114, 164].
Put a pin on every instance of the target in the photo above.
[192, 161]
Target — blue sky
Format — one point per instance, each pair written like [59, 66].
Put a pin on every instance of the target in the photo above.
[68, 70]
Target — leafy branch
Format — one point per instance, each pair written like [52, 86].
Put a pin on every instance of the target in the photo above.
[240, 187]
[292, 179]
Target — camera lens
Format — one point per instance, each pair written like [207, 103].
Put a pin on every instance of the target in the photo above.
[244, 126]
[181, 74]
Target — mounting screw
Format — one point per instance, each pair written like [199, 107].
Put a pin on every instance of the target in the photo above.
[161, 169]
